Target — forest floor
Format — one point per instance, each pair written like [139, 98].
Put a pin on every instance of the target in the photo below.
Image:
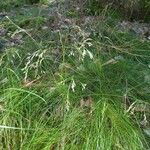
[72, 81]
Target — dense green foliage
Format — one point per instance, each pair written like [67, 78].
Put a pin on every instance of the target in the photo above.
[69, 81]
[131, 9]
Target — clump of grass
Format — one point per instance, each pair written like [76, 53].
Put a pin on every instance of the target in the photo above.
[6, 5]
[9, 4]
[131, 9]
[73, 88]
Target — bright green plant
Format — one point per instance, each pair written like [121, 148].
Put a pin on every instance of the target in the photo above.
[73, 87]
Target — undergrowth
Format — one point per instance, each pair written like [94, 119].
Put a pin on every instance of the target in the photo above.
[72, 84]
